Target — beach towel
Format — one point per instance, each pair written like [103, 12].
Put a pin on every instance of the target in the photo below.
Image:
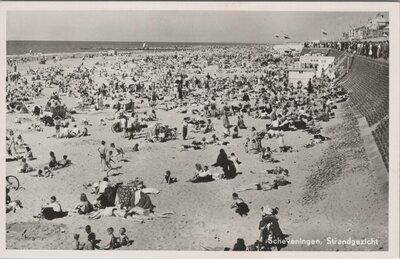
[124, 195]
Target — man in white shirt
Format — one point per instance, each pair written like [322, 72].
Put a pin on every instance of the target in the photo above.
[52, 210]
[103, 185]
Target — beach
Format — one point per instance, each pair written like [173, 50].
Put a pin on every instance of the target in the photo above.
[333, 190]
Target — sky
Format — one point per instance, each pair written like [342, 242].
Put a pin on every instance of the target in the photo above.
[180, 26]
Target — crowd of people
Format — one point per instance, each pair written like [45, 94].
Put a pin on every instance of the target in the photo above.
[176, 83]
[371, 49]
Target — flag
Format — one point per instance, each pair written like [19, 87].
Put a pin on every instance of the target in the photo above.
[286, 36]
[324, 32]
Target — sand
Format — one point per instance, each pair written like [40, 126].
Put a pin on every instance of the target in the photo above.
[346, 204]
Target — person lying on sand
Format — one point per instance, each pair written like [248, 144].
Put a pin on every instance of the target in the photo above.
[265, 185]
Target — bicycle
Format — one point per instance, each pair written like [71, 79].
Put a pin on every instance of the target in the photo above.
[12, 182]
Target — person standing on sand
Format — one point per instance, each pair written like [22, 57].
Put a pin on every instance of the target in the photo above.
[185, 129]
[103, 154]
[57, 125]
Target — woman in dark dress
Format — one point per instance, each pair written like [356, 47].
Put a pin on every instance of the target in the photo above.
[227, 166]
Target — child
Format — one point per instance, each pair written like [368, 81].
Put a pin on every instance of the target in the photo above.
[112, 243]
[47, 172]
[24, 167]
[235, 160]
[109, 160]
[118, 150]
[40, 173]
[241, 207]
[123, 238]
[168, 179]
[76, 245]
[103, 154]
[65, 161]
[280, 141]
[135, 147]
[28, 154]
[102, 122]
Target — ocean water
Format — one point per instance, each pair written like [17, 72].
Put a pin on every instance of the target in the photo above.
[23, 47]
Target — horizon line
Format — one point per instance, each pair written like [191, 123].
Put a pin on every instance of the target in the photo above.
[143, 41]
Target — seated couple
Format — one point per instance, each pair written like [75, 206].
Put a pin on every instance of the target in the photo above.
[202, 175]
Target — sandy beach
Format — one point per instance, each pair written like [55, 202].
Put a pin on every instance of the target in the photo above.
[334, 192]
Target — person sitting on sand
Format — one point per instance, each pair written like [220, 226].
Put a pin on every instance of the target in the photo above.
[102, 122]
[112, 243]
[90, 244]
[240, 122]
[83, 133]
[135, 148]
[270, 231]
[239, 245]
[47, 172]
[227, 165]
[235, 160]
[168, 178]
[266, 155]
[24, 167]
[235, 133]
[103, 185]
[52, 209]
[84, 206]
[140, 200]
[28, 154]
[202, 175]
[241, 207]
[53, 164]
[20, 141]
[74, 132]
[209, 126]
[123, 239]
[64, 162]
[152, 116]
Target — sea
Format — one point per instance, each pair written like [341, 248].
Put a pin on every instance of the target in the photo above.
[46, 47]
